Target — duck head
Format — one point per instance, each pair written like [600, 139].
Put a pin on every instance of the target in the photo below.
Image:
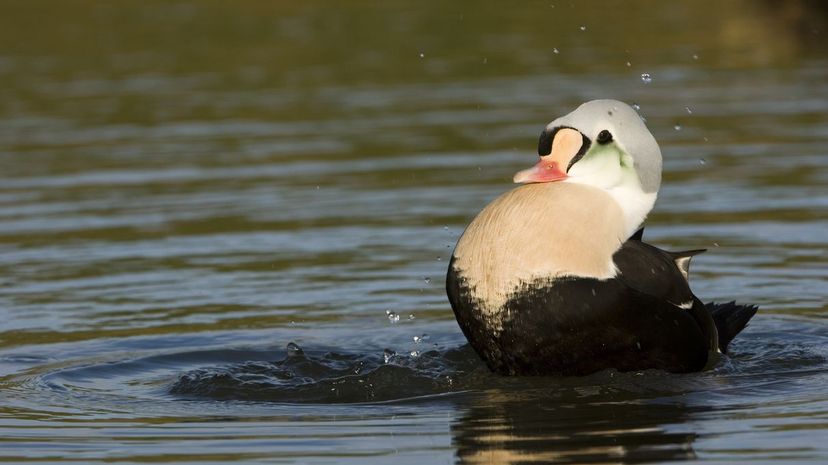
[603, 144]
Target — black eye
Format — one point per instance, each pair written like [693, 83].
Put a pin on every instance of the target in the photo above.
[604, 137]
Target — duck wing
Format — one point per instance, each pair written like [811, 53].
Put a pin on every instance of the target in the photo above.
[665, 275]
[659, 274]
[652, 271]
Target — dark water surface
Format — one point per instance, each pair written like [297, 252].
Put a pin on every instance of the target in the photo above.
[224, 227]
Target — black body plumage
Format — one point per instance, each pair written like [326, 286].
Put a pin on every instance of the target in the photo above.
[645, 317]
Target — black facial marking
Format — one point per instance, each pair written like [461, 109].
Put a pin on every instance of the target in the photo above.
[545, 141]
[604, 137]
[584, 147]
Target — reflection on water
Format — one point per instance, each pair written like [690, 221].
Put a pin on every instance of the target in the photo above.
[561, 430]
[645, 417]
[186, 188]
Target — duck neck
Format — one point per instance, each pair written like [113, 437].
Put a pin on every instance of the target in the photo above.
[635, 205]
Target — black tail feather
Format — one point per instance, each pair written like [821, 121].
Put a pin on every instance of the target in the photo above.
[730, 319]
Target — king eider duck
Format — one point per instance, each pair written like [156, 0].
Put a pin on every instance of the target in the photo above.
[553, 277]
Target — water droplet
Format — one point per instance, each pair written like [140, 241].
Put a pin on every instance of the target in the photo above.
[317, 187]
[419, 339]
[593, 291]
[629, 64]
[427, 280]
[414, 353]
[485, 60]
[445, 228]
[439, 258]
[638, 344]
[422, 55]
[636, 107]
[646, 78]
[583, 28]
[715, 244]
[695, 57]
[411, 316]
[293, 350]
[677, 127]
[705, 139]
[689, 111]
[702, 161]
[388, 354]
[556, 51]
[393, 317]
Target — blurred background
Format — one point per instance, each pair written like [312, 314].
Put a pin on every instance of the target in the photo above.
[188, 186]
